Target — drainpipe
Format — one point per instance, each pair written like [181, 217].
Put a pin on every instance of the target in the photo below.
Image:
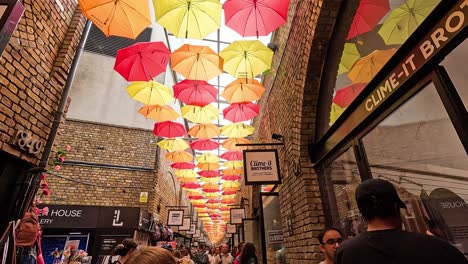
[35, 179]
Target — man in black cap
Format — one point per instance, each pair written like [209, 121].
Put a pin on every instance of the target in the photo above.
[385, 242]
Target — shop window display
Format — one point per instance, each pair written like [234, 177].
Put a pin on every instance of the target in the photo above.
[458, 75]
[418, 149]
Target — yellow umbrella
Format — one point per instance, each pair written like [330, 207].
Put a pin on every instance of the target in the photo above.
[233, 171]
[204, 131]
[246, 58]
[188, 18]
[186, 173]
[173, 144]
[213, 195]
[234, 164]
[367, 67]
[335, 112]
[243, 90]
[230, 144]
[208, 166]
[237, 130]
[196, 62]
[348, 58]
[159, 113]
[207, 157]
[197, 114]
[186, 179]
[150, 93]
[179, 156]
[231, 184]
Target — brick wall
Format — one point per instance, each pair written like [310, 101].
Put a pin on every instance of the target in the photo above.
[34, 68]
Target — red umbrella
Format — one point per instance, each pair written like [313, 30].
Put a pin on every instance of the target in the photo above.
[142, 61]
[191, 185]
[232, 155]
[346, 95]
[255, 17]
[169, 129]
[183, 165]
[204, 144]
[231, 177]
[209, 173]
[229, 192]
[368, 15]
[199, 93]
[241, 112]
[199, 205]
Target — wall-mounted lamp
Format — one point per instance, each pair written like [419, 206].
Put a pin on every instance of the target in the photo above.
[272, 46]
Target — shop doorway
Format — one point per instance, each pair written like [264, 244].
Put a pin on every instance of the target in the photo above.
[272, 231]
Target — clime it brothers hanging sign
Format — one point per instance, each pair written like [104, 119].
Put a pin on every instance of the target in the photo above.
[261, 167]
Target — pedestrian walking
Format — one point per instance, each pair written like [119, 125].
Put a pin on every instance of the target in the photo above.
[152, 255]
[226, 257]
[384, 241]
[201, 257]
[330, 239]
[248, 254]
[124, 251]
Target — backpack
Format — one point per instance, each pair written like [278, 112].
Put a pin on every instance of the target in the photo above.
[156, 234]
[165, 233]
[200, 258]
[27, 231]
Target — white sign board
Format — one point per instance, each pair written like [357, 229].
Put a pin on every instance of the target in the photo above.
[261, 167]
[175, 218]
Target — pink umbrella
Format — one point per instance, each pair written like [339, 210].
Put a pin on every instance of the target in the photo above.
[231, 177]
[199, 93]
[241, 112]
[209, 173]
[169, 129]
[232, 155]
[368, 15]
[204, 144]
[142, 61]
[191, 185]
[346, 95]
[183, 165]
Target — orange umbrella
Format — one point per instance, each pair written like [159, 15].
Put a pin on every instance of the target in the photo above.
[233, 171]
[159, 113]
[197, 62]
[208, 166]
[125, 18]
[367, 67]
[230, 144]
[243, 91]
[204, 131]
[179, 156]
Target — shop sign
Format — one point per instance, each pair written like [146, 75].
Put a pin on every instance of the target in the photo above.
[175, 218]
[26, 142]
[231, 229]
[237, 215]
[452, 208]
[185, 224]
[261, 167]
[447, 28]
[275, 236]
[192, 229]
[118, 217]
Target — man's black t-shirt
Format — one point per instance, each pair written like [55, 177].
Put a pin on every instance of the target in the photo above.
[397, 247]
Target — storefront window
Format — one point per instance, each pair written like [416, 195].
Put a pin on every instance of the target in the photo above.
[341, 179]
[418, 149]
[272, 226]
[378, 29]
[458, 75]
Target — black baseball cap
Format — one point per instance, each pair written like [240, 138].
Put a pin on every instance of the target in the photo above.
[378, 190]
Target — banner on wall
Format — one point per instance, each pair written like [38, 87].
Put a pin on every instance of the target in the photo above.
[261, 167]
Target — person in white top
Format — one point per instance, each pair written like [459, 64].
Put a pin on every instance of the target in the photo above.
[226, 257]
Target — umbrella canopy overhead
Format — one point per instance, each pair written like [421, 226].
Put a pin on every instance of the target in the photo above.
[186, 173]
[199, 93]
[349, 57]
[230, 144]
[246, 58]
[183, 165]
[124, 18]
[367, 67]
[204, 131]
[173, 144]
[150, 93]
[243, 91]
[159, 113]
[188, 18]
[208, 166]
[142, 61]
[404, 20]
[196, 62]
[255, 17]
[368, 15]
[232, 155]
[204, 144]
[207, 157]
[197, 114]
[241, 112]
[237, 130]
[346, 95]
[335, 112]
[209, 173]
[169, 129]
[179, 156]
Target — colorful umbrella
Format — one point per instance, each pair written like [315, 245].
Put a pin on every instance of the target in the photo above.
[233, 171]
[179, 156]
[209, 173]
[402, 21]
[349, 57]
[188, 18]
[231, 177]
[368, 15]
[237, 130]
[207, 157]
[169, 129]
[186, 173]
[240, 112]
[199, 93]
[204, 144]
[150, 93]
[228, 201]
[254, 17]
[230, 144]
[335, 112]
[243, 90]
[233, 164]
[124, 18]
[196, 62]
[173, 144]
[204, 131]
[210, 187]
[246, 58]
[346, 95]
[208, 166]
[142, 61]
[187, 179]
[159, 113]
[192, 185]
[232, 155]
[183, 165]
[367, 67]
[197, 114]
[193, 195]
[213, 195]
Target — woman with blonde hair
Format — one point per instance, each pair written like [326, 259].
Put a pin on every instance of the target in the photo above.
[152, 255]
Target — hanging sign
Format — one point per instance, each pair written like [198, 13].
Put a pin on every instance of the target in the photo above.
[185, 224]
[192, 229]
[261, 167]
[175, 218]
[231, 229]
[197, 233]
[237, 214]
[143, 197]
